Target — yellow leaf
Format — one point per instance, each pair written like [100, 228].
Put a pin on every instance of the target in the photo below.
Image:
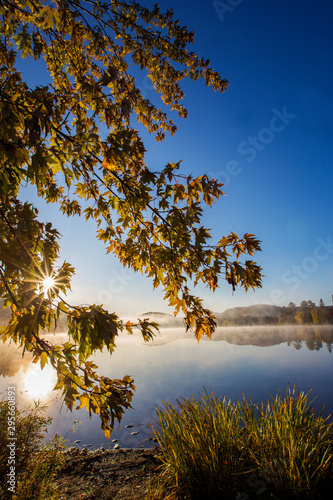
[43, 360]
[109, 165]
[84, 401]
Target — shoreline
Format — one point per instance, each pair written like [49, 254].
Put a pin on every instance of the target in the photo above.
[122, 473]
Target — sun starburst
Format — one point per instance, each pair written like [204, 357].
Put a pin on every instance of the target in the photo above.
[47, 284]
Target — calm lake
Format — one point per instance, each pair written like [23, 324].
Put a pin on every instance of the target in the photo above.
[253, 360]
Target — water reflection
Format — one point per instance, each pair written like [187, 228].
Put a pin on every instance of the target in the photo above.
[254, 360]
[311, 337]
[38, 383]
[11, 359]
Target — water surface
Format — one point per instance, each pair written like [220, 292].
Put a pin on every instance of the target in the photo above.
[255, 361]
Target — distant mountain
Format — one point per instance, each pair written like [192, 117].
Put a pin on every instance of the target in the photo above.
[164, 319]
[259, 314]
[254, 310]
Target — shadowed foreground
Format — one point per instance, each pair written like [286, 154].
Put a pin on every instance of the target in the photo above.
[104, 474]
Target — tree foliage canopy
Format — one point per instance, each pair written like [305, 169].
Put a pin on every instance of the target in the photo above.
[151, 220]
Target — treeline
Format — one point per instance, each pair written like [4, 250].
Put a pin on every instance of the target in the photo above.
[249, 320]
[307, 313]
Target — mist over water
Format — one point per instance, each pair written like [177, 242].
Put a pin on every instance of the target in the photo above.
[253, 360]
[311, 337]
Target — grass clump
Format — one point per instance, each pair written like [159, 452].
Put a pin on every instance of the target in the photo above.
[35, 463]
[213, 449]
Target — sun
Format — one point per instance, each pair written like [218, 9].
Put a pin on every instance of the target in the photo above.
[48, 283]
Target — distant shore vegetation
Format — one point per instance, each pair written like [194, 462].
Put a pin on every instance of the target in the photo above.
[307, 313]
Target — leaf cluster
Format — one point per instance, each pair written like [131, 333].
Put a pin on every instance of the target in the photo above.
[51, 137]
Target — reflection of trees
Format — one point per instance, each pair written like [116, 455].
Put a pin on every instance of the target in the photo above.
[328, 346]
[297, 344]
[12, 360]
[318, 345]
[313, 337]
[310, 343]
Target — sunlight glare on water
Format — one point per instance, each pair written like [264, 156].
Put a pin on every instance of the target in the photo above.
[37, 382]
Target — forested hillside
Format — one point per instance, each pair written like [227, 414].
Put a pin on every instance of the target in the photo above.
[307, 313]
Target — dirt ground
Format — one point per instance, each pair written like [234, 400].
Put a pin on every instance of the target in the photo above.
[107, 474]
[124, 474]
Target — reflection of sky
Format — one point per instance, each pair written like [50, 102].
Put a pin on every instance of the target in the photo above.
[183, 367]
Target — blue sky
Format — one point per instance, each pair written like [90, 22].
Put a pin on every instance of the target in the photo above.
[269, 138]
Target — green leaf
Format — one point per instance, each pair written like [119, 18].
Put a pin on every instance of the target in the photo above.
[74, 142]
